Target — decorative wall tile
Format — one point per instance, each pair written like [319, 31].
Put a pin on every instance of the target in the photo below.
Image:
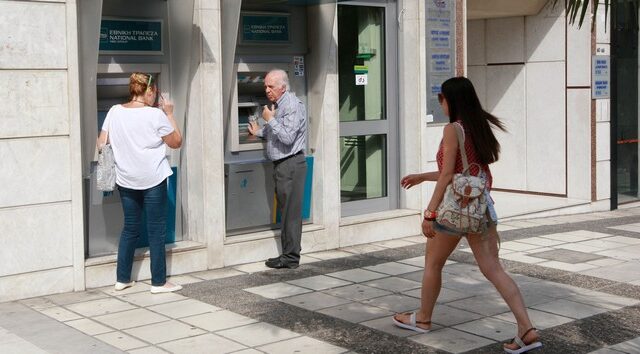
[544, 38]
[39, 238]
[506, 100]
[546, 127]
[34, 35]
[39, 103]
[505, 40]
[476, 51]
[579, 144]
[42, 163]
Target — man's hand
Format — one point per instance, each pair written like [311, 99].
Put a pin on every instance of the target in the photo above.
[268, 112]
[253, 128]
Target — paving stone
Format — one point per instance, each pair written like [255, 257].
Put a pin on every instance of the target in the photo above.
[301, 345]
[446, 295]
[620, 254]
[541, 241]
[277, 290]
[88, 326]
[624, 239]
[121, 340]
[540, 319]
[60, 314]
[518, 246]
[100, 307]
[251, 267]
[578, 247]
[80, 296]
[357, 275]
[183, 279]
[178, 309]
[635, 227]
[606, 351]
[415, 261]
[219, 320]
[38, 303]
[631, 346]
[359, 249]
[315, 301]
[394, 303]
[164, 332]
[394, 284]
[625, 272]
[356, 312]
[319, 282]
[393, 268]
[569, 308]
[570, 267]
[415, 276]
[604, 300]
[520, 257]
[257, 334]
[566, 256]
[333, 254]
[603, 244]
[147, 350]
[451, 340]
[357, 292]
[449, 316]
[148, 299]
[393, 243]
[487, 305]
[567, 237]
[490, 327]
[130, 318]
[218, 273]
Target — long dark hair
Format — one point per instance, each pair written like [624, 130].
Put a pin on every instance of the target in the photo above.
[464, 105]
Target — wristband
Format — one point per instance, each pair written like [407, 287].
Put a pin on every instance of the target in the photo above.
[430, 215]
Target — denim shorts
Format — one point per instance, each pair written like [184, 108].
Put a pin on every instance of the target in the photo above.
[491, 219]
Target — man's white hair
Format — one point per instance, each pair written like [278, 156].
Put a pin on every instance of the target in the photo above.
[281, 77]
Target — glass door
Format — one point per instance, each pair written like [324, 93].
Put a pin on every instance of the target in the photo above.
[625, 118]
[368, 107]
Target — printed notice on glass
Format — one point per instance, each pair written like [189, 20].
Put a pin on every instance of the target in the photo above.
[440, 63]
[440, 38]
[361, 80]
[600, 77]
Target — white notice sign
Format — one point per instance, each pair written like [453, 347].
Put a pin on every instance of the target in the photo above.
[361, 79]
[600, 81]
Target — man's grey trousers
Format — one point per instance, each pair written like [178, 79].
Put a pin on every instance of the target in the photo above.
[290, 176]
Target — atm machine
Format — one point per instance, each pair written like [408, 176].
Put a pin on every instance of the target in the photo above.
[248, 173]
[249, 185]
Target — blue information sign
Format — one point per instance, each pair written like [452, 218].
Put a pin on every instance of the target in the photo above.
[141, 36]
[265, 28]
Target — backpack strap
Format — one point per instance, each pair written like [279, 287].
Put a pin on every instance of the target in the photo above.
[463, 152]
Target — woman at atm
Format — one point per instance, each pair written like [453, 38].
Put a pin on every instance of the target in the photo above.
[138, 133]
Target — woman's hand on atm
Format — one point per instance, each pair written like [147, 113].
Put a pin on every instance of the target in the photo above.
[167, 106]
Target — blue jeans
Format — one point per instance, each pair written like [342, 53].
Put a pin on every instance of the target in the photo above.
[153, 202]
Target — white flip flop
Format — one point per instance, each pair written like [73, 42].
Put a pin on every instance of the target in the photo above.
[413, 324]
[522, 347]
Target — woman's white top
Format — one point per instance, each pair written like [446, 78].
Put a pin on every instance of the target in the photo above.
[135, 135]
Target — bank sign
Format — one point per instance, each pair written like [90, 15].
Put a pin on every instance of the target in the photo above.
[265, 28]
[131, 36]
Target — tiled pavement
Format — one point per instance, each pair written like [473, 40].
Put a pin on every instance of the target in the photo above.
[579, 275]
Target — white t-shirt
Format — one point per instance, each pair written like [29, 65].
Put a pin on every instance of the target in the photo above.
[136, 135]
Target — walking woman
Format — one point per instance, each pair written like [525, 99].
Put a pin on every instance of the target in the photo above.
[461, 104]
[138, 133]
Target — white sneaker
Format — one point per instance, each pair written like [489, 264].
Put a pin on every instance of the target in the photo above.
[166, 288]
[121, 286]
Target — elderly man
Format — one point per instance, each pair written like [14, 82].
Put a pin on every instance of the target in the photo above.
[285, 131]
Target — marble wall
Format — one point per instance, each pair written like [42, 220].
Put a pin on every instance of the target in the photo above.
[37, 144]
[518, 67]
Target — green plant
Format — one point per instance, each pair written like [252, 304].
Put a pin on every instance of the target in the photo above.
[581, 7]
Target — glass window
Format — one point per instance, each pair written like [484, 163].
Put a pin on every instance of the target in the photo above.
[361, 63]
[363, 167]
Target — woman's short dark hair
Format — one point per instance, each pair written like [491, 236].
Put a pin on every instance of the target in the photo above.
[464, 105]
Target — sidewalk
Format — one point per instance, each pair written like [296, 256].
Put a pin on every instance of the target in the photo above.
[579, 274]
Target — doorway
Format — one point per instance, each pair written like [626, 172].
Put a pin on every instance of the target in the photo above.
[367, 69]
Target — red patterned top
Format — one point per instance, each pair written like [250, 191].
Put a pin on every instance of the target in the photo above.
[471, 157]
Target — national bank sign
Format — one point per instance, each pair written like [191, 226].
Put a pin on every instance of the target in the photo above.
[129, 36]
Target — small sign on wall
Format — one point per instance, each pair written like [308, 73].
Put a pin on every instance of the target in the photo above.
[361, 79]
[600, 77]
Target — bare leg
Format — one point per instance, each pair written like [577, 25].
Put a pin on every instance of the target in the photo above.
[438, 250]
[485, 251]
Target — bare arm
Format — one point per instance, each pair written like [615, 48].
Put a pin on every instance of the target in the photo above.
[174, 139]
[409, 181]
[102, 139]
[450, 147]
